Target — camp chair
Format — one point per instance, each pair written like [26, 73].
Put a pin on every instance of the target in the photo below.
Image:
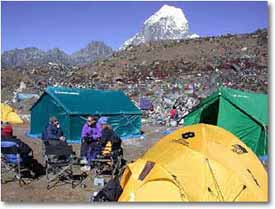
[59, 160]
[16, 161]
[109, 161]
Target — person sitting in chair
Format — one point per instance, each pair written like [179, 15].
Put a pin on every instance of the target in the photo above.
[89, 135]
[6, 129]
[109, 140]
[54, 142]
[53, 131]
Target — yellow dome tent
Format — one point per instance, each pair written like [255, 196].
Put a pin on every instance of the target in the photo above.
[9, 115]
[198, 163]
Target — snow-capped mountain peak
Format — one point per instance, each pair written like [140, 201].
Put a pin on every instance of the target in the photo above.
[167, 23]
[168, 12]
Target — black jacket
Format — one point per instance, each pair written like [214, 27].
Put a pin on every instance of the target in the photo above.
[109, 135]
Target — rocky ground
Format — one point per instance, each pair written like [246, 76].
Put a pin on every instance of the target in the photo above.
[37, 191]
[166, 72]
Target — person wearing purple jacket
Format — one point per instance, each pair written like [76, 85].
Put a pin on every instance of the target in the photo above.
[98, 130]
[89, 134]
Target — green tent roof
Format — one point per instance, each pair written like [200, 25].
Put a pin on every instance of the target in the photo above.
[256, 105]
[91, 101]
[253, 104]
[245, 114]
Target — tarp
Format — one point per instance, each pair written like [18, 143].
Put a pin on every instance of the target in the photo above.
[9, 115]
[145, 104]
[244, 114]
[198, 163]
[71, 106]
[25, 96]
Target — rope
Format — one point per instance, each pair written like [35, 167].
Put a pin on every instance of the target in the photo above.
[215, 180]
[83, 118]
[266, 135]
[128, 122]
[182, 191]
[244, 187]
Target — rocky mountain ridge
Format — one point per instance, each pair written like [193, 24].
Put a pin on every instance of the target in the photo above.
[33, 56]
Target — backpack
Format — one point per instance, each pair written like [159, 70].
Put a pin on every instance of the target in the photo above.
[110, 135]
[116, 142]
[110, 192]
[10, 147]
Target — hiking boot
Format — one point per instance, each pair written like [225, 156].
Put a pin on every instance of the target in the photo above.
[83, 161]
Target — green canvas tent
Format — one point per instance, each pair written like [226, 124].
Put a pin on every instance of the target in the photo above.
[71, 106]
[242, 113]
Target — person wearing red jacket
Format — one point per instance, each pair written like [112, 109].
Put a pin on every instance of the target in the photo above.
[173, 113]
[6, 130]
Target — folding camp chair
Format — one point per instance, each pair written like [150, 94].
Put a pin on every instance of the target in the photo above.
[108, 162]
[60, 159]
[16, 161]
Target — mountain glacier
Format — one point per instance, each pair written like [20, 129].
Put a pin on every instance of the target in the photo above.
[167, 23]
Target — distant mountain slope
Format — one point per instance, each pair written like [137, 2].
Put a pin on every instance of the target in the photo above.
[34, 56]
[93, 51]
[20, 57]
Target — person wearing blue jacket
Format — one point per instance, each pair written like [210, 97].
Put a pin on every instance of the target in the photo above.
[53, 131]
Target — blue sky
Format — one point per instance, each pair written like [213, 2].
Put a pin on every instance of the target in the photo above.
[71, 25]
